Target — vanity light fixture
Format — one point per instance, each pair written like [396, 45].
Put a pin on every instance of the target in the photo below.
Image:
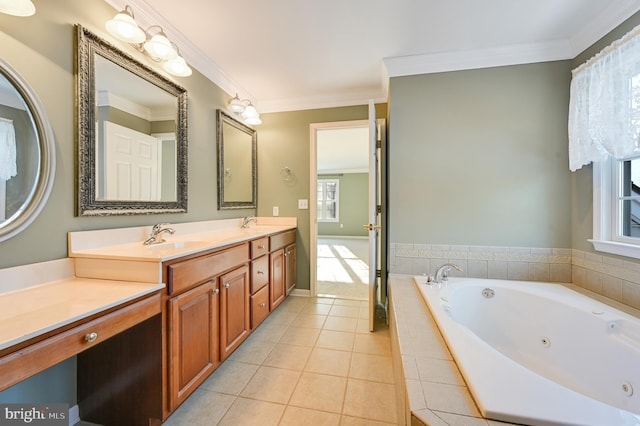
[17, 7]
[244, 109]
[153, 42]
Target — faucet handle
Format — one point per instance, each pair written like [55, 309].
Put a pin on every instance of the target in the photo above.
[158, 226]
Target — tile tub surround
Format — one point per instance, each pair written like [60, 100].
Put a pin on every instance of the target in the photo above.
[614, 278]
[435, 393]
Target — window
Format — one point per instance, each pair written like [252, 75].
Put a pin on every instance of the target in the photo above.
[328, 200]
[616, 212]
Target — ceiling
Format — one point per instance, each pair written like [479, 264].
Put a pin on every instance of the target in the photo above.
[301, 54]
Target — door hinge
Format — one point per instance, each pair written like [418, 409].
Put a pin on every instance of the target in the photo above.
[379, 209]
[378, 273]
[379, 143]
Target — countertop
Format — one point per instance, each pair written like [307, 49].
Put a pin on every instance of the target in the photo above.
[189, 238]
[36, 310]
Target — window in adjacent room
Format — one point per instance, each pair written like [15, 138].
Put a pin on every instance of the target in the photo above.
[328, 200]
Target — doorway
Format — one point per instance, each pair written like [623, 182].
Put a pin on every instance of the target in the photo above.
[340, 169]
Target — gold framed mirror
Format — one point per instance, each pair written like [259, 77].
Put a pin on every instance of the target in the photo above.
[237, 163]
[132, 134]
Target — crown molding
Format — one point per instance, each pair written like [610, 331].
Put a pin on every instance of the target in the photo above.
[615, 14]
[333, 100]
[479, 58]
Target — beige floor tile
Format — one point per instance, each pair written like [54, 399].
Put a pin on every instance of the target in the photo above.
[371, 367]
[271, 384]
[341, 340]
[292, 357]
[300, 336]
[344, 311]
[294, 304]
[230, 378]
[201, 408]
[319, 392]
[296, 416]
[322, 300]
[252, 351]
[347, 302]
[354, 421]
[249, 412]
[280, 317]
[309, 320]
[340, 323]
[372, 343]
[316, 308]
[362, 326]
[329, 361]
[370, 400]
[269, 331]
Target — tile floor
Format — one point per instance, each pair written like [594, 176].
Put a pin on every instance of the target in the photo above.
[312, 362]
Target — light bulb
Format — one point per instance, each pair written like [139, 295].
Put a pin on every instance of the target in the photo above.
[124, 27]
[177, 66]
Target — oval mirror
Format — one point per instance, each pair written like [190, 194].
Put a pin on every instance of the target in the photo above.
[27, 154]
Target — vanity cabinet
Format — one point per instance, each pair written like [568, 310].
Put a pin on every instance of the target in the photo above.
[194, 344]
[207, 316]
[276, 291]
[234, 310]
[260, 279]
[290, 272]
[283, 265]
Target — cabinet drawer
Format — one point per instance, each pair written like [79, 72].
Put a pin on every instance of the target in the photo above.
[186, 274]
[259, 273]
[259, 307]
[282, 239]
[259, 247]
[39, 356]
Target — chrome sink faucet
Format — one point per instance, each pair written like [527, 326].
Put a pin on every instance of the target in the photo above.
[442, 273]
[156, 234]
[246, 220]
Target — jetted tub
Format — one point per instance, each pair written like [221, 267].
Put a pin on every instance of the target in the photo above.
[538, 353]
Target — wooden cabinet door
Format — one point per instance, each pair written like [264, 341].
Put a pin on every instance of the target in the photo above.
[193, 340]
[276, 281]
[290, 268]
[234, 309]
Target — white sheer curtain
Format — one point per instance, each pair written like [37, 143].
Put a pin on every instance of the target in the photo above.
[604, 107]
[7, 149]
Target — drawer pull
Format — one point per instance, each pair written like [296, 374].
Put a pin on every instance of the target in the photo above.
[262, 305]
[90, 337]
[260, 272]
[226, 285]
[261, 246]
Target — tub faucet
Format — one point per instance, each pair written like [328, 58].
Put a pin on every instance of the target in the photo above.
[156, 234]
[442, 273]
[246, 220]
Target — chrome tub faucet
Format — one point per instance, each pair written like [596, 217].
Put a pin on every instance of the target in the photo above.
[442, 273]
[156, 234]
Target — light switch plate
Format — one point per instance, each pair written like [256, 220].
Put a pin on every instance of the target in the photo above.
[303, 204]
[276, 211]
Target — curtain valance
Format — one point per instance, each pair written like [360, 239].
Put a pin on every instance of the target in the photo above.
[604, 106]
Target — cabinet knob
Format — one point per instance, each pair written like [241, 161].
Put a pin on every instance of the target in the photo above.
[216, 291]
[90, 337]
[226, 285]
[262, 305]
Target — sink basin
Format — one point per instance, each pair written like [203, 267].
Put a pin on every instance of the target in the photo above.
[176, 245]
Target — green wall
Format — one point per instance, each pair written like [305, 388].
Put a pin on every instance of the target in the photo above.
[479, 157]
[354, 202]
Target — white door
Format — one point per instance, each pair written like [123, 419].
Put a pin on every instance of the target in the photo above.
[132, 164]
[373, 225]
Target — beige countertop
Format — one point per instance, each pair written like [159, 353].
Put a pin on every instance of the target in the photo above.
[29, 312]
[190, 238]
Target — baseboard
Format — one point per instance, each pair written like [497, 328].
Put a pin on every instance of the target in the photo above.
[74, 415]
[300, 293]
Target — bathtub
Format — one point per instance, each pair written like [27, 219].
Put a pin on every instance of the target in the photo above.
[540, 354]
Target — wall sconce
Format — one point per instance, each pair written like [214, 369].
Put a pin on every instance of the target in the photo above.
[153, 42]
[243, 109]
[17, 7]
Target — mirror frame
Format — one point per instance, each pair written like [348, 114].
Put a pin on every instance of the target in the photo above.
[46, 169]
[222, 118]
[88, 45]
